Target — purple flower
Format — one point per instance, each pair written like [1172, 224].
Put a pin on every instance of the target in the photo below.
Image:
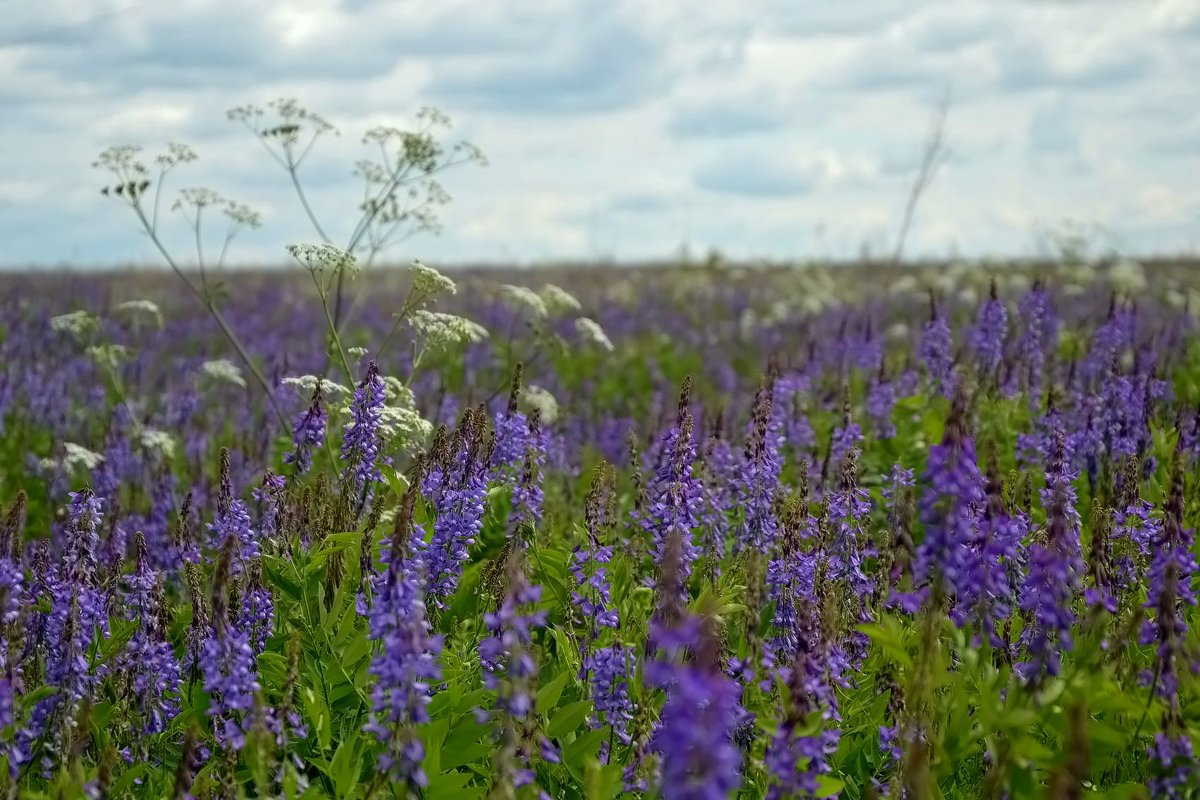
[757, 481]
[458, 488]
[695, 739]
[800, 749]
[308, 434]
[610, 668]
[361, 441]
[1055, 572]
[936, 351]
[404, 667]
[988, 335]
[676, 493]
[881, 400]
[527, 493]
[949, 508]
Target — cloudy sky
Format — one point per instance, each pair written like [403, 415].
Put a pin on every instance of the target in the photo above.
[615, 128]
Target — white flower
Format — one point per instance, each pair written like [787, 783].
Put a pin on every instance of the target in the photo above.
[76, 455]
[524, 299]
[157, 441]
[317, 258]
[559, 300]
[445, 330]
[305, 384]
[76, 323]
[395, 393]
[429, 282]
[222, 369]
[537, 398]
[404, 428]
[139, 310]
[357, 352]
[591, 331]
[108, 356]
[897, 332]
[1127, 276]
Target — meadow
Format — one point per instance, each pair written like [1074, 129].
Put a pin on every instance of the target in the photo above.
[708, 532]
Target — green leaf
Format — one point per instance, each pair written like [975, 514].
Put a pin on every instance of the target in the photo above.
[344, 768]
[577, 754]
[548, 695]
[458, 756]
[317, 713]
[828, 786]
[452, 784]
[568, 718]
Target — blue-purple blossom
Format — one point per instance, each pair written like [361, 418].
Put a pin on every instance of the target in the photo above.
[458, 488]
[757, 480]
[404, 668]
[1055, 573]
[307, 435]
[695, 739]
[362, 442]
[949, 509]
[990, 331]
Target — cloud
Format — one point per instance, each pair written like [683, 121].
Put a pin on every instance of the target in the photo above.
[723, 117]
[602, 62]
[617, 126]
[1053, 132]
[755, 174]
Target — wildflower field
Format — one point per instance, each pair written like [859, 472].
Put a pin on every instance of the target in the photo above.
[680, 533]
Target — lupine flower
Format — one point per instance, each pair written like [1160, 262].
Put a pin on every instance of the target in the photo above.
[457, 484]
[227, 662]
[949, 508]
[509, 669]
[703, 709]
[758, 479]
[407, 661]
[881, 400]
[796, 757]
[361, 442]
[257, 615]
[988, 335]
[149, 657]
[610, 668]
[1055, 570]
[676, 494]
[527, 493]
[307, 435]
[935, 351]
[994, 568]
[512, 433]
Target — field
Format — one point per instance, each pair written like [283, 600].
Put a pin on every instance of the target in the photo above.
[703, 532]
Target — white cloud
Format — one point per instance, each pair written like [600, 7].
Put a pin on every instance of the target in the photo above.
[773, 128]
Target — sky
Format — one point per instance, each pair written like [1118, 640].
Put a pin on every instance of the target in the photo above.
[777, 129]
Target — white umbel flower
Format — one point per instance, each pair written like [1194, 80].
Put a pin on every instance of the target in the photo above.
[305, 384]
[1127, 276]
[591, 331]
[321, 258]
[140, 311]
[445, 330]
[558, 300]
[538, 399]
[430, 283]
[224, 371]
[76, 323]
[108, 356]
[404, 428]
[76, 455]
[156, 441]
[522, 298]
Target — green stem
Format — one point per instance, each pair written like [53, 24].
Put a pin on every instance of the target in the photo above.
[210, 305]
